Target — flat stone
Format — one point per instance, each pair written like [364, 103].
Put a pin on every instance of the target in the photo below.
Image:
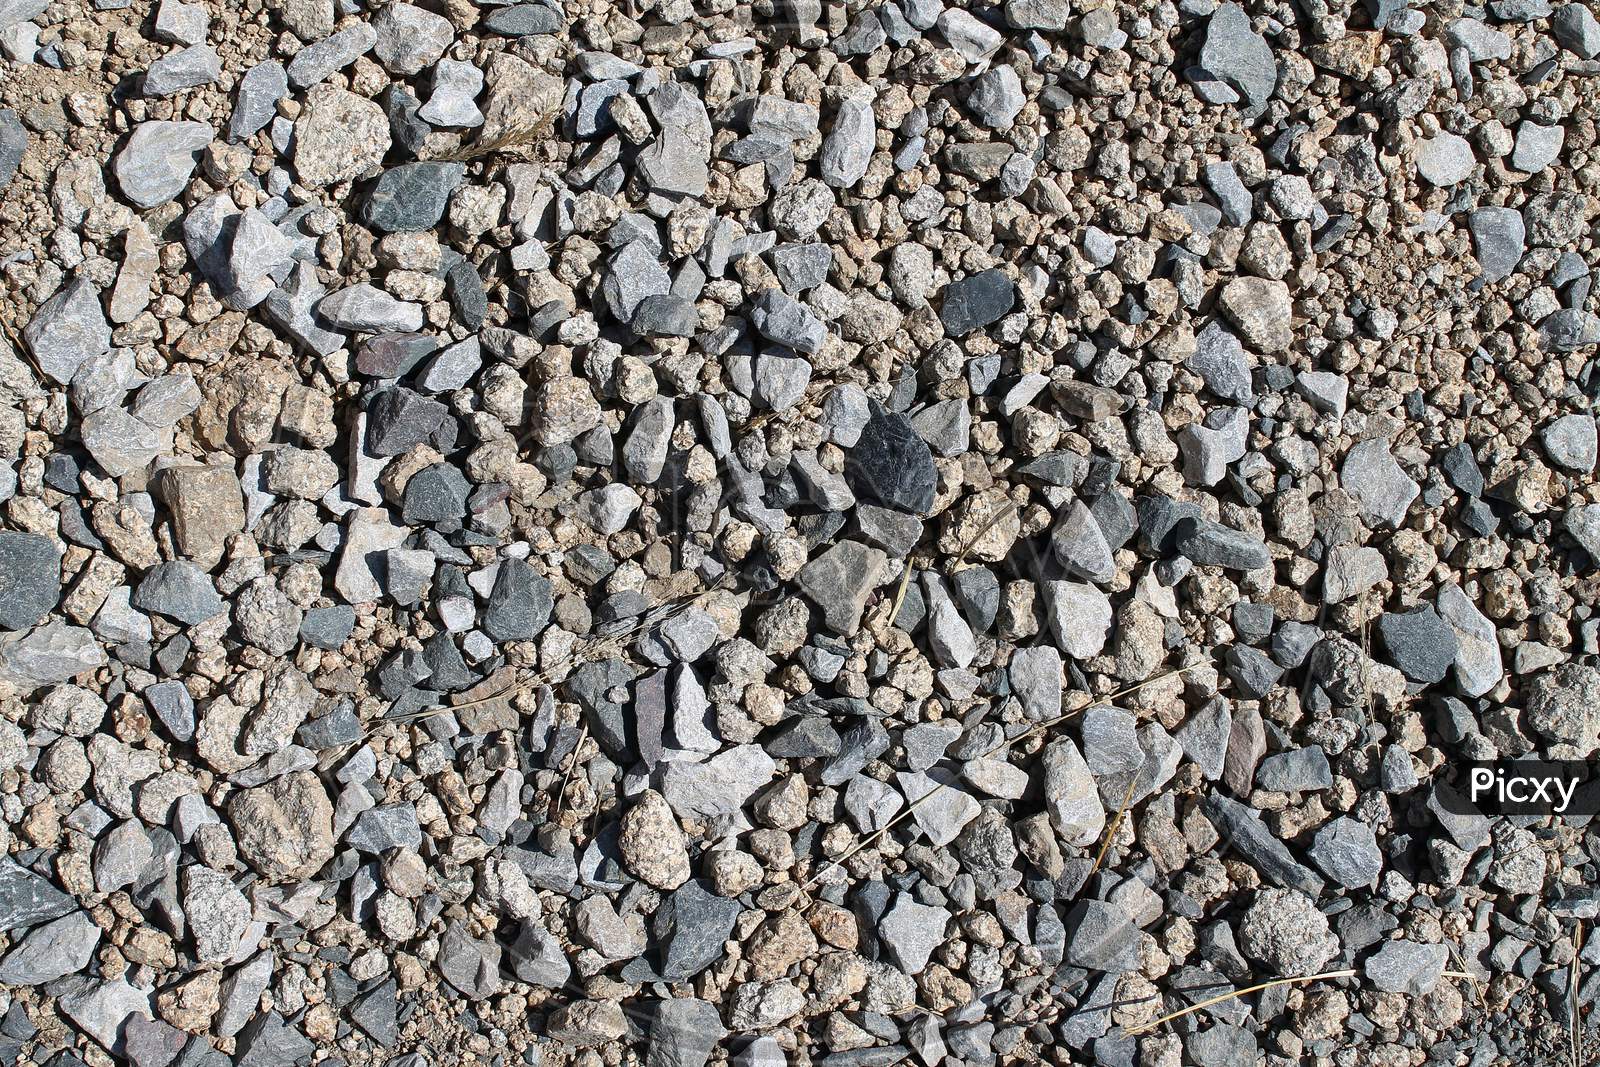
[102, 1009]
[1220, 362]
[1102, 937]
[179, 590]
[1499, 239]
[471, 965]
[67, 330]
[1445, 159]
[1212, 544]
[721, 785]
[316, 61]
[186, 68]
[1071, 797]
[399, 419]
[947, 808]
[520, 603]
[256, 104]
[54, 950]
[911, 931]
[1079, 616]
[1382, 490]
[1477, 663]
[890, 464]
[847, 150]
[412, 196]
[782, 319]
[30, 578]
[1260, 308]
[1247, 835]
[206, 507]
[217, 913]
[1238, 55]
[1419, 642]
[366, 307]
[1346, 850]
[976, 301]
[1571, 442]
[155, 164]
[338, 137]
[1406, 967]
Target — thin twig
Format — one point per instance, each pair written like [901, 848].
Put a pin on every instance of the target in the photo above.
[566, 776]
[512, 138]
[1572, 994]
[907, 811]
[1139, 1028]
[1116, 823]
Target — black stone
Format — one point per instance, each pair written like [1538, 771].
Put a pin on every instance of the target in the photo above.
[399, 419]
[394, 355]
[976, 301]
[411, 197]
[519, 604]
[30, 578]
[1419, 642]
[890, 464]
[436, 495]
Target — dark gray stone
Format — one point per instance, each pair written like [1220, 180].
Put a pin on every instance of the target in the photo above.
[976, 301]
[519, 603]
[890, 464]
[179, 590]
[30, 578]
[412, 196]
[1419, 642]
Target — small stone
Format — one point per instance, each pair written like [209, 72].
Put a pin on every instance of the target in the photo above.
[179, 590]
[847, 150]
[456, 85]
[68, 330]
[891, 465]
[1537, 146]
[1499, 238]
[1406, 967]
[911, 931]
[316, 61]
[520, 603]
[653, 847]
[218, 914]
[284, 829]
[262, 86]
[522, 20]
[157, 160]
[1382, 490]
[1346, 850]
[1445, 159]
[1571, 442]
[1577, 29]
[410, 39]
[1563, 705]
[840, 580]
[996, 97]
[1419, 642]
[338, 137]
[784, 320]
[54, 950]
[1101, 937]
[1238, 55]
[30, 578]
[976, 301]
[1283, 929]
[1212, 544]
[941, 809]
[1478, 664]
[412, 196]
[1220, 361]
[469, 964]
[399, 419]
[1260, 308]
[186, 68]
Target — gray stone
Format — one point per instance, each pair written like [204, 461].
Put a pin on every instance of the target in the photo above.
[409, 38]
[1499, 238]
[976, 301]
[940, 807]
[1101, 937]
[1570, 441]
[1324, 390]
[67, 330]
[412, 196]
[157, 160]
[996, 97]
[1406, 967]
[1382, 490]
[218, 915]
[720, 786]
[1080, 618]
[683, 1033]
[365, 307]
[102, 1009]
[179, 590]
[1445, 159]
[1241, 827]
[521, 20]
[51, 951]
[1478, 665]
[1537, 146]
[399, 419]
[456, 85]
[27, 899]
[840, 580]
[1238, 55]
[1576, 28]
[847, 150]
[1297, 770]
[1035, 675]
[1569, 329]
[1220, 362]
[186, 68]
[785, 321]
[387, 826]
[317, 60]
[1346, 850]
[54, 652]
[1212, 544]
[911, 931]
[1072, 799]
[1419, 642]
[13, 143]
[262, 86]
[30, 578]
[1081, 547]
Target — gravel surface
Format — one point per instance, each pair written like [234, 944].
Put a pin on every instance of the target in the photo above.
[795, 534]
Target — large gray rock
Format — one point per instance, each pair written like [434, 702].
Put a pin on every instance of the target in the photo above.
[157, 160]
